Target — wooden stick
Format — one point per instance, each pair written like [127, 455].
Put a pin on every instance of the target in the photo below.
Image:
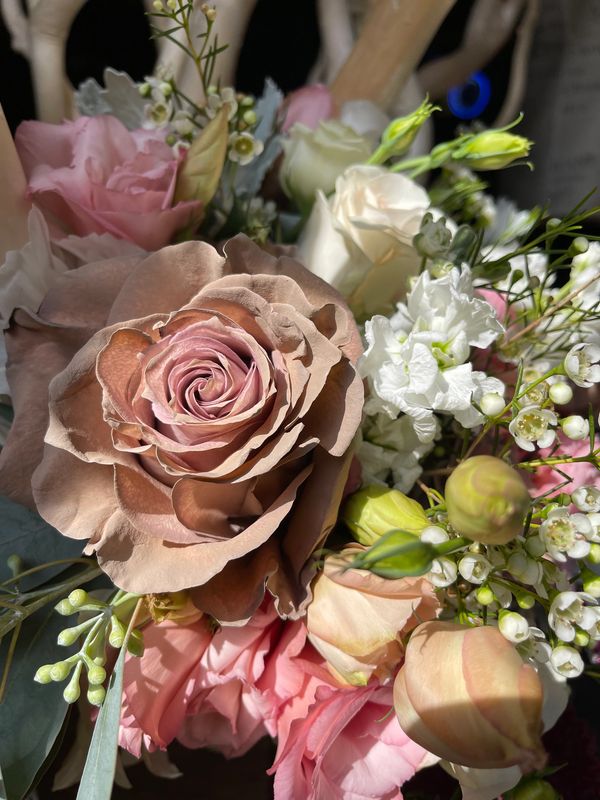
[391, 44]
[14, 206]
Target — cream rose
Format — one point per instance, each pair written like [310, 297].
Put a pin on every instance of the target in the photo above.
[360, 240]
[313, 159]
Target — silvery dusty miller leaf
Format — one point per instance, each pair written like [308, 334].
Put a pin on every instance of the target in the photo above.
[121, 98]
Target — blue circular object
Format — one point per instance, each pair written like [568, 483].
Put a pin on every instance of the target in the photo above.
[472, 98]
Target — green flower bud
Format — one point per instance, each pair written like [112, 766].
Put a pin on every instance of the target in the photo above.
[15, 564]
[135, 645]
[249, 117]
[493, 149]
[397, 554]
[44, 674]
[64, 608]
[402, 131]
[60, 670]
[96, 695]
[117, 632]
[582, 638]
[96, 675]
[78, 597]
[594, 554]
[69, 636]
[591, 582]
[72, 690]
[487, 500]
[484, 595]
[375, 510]
[536, 789]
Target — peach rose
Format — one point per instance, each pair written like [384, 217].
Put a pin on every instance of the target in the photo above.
[200, 414]
[94, 176]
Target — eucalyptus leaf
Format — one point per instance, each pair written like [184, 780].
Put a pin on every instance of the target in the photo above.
[99, 771]
[31, 714]
[26, 534]
[200, 173]
[249, 178]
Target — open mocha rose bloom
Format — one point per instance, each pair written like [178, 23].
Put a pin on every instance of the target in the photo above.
[200, 413]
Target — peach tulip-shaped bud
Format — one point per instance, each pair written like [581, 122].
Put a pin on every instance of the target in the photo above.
[487, 500]
[465, 695]
[356, 619]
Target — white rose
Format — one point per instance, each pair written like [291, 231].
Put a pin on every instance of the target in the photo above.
[313, 159]
[360, 240]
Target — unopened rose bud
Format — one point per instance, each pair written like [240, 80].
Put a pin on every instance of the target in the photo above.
[375, 510]
[465, 695]
[560, 393]
[487, 500]
[493, 149]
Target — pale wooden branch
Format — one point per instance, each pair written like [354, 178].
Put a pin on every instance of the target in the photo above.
[14, 205]
[395, 35]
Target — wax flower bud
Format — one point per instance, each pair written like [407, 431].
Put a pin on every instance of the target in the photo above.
[492, 404]
[513, 626]
[493, 149]
[356, 619]
[176, 606]
[487, 500]
[465, 695]
[575, 427]
[560, 393]
[375, 510]
[591, 582]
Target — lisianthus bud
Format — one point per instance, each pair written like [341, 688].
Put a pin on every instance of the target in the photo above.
[398, 554]
[356, 619]
[493, 149]
[465, 695]
[375, 510]
[401, 132]
[487, 500]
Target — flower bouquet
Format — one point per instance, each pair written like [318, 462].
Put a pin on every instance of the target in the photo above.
[299, 447]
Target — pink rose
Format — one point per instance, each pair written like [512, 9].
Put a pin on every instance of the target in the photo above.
[308, 105]
[244, 677]
[157, 687]
[546, 480]
[201, 411]
[94, 176]
[346, 747]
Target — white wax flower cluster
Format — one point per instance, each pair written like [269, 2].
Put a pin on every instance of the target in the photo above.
[417, 362]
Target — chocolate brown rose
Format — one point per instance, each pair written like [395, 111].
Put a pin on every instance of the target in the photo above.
[200, 414]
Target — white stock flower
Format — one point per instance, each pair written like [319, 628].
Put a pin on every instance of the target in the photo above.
[532, 426]
[581, 364]
[569, 612]
[586, 499]
[360, 240]
[414, 361]
[443, 572]
[513, 626]
[391, 448]
[566, 661]
[474, 567]
[565, 534]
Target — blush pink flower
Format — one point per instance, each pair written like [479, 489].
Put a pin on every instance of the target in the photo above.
[244, 676]
[95, 176]
[548, 481]
[201, 410]
[347, 746]
[158, 687]
[308, 105]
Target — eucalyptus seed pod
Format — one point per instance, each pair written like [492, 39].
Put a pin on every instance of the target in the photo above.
[487, 500]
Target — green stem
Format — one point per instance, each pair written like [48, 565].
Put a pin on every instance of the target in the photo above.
[452, 545]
